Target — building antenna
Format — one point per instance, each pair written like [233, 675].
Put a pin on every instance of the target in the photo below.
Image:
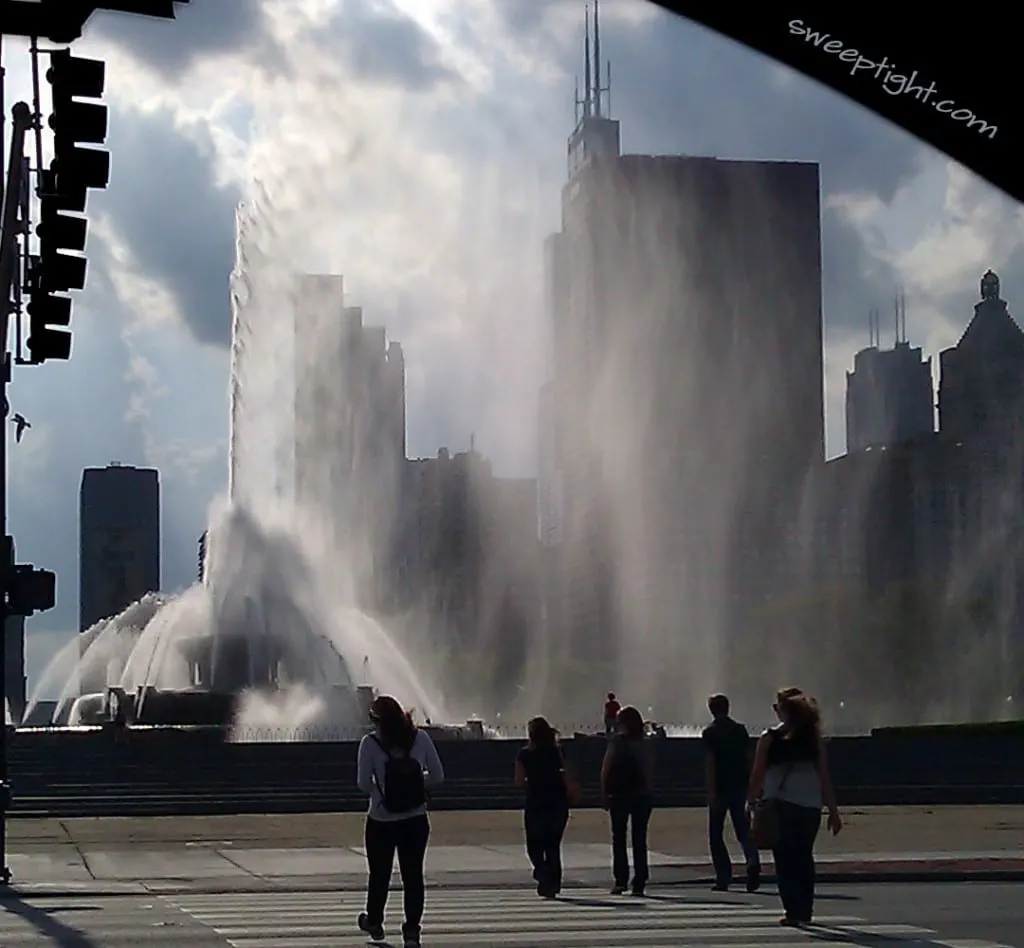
[578, 102]
[586, 67]
[896, 299]
[608, 87]
[597, 60]
[903, 314]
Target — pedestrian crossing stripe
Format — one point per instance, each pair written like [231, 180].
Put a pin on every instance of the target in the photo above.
[44, 922]
[580, 917]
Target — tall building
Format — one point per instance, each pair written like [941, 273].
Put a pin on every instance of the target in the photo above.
[890, 396]
[471, 569]
[119, 532]
[981, 384]
[350, 439]
[981, 412]
[939, 515]
[687, 359]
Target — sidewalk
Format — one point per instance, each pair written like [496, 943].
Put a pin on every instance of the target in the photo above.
[478, 849]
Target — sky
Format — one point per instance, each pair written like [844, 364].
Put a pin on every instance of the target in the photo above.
[418, 148]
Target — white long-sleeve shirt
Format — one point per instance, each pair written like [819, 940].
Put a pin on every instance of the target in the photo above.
[373, 759]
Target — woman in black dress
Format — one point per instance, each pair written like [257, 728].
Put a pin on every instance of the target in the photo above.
[627, 783]
[550, 789]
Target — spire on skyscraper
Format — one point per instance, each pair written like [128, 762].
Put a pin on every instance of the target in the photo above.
[587, 100]
[595, 132]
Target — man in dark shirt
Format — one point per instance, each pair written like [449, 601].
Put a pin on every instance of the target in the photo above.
[611, 713]
[727, 772]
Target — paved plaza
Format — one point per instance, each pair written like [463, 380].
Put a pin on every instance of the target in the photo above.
[479, 848]
[297, 882]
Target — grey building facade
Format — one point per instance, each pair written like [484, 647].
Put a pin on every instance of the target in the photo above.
[119, 532]
[350, 427]
[890, 397]
[688, 374]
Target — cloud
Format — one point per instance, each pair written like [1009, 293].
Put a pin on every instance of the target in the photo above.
[383, 45]
[172, 216]
[201, 29]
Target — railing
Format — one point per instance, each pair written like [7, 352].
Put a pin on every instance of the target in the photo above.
[194, 771]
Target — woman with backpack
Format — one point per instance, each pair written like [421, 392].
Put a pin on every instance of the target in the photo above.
[396, 766]
[551, 788]
[789, 783]
[627, 783]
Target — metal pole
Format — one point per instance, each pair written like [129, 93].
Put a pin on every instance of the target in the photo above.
[3, 90]
[21, 116]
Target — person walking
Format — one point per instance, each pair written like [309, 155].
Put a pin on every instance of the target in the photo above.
[791, 776]
[551, 788]
[397, 764]
[611, 713]
[727, 752]
[627, 782]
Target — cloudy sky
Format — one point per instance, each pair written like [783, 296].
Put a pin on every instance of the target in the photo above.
[418, 147]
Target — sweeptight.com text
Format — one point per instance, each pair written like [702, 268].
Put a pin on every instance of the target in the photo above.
[895, 83]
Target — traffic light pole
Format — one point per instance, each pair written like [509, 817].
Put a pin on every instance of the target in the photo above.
[21, 116]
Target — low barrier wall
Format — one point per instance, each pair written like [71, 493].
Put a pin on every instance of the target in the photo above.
[172, 772]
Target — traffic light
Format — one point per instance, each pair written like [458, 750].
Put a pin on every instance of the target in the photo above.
[62, 232]
[62, 21]
[74, 123]
[30, 590]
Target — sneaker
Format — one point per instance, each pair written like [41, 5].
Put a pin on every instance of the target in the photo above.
[376, 932]
[753, 879]
[410, 939]
[618, 889]
[720, 887]
[637, 892]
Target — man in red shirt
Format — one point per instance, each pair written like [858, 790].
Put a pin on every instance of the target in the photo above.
[611, 713]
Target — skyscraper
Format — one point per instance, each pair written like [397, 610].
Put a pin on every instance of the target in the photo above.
[687, 363]
[981, 384]
[119, 558]
[890, 397]
[350, 436]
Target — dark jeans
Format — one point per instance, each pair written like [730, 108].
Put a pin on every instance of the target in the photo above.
[734, 806]
[634, 813]
[545, 827]
[794, 858]
[409, 838]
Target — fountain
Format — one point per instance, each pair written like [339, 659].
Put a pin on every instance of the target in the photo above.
[247, 647]
[266, 644]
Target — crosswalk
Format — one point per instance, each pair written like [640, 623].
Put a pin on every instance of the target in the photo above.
[518, 919]
[104, 922]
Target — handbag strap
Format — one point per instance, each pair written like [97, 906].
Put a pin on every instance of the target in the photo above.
[789, 770]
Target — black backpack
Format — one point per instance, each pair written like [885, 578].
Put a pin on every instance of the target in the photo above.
[626, 777]
[404, 786]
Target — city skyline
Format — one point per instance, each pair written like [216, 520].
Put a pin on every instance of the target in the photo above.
[894, 212]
